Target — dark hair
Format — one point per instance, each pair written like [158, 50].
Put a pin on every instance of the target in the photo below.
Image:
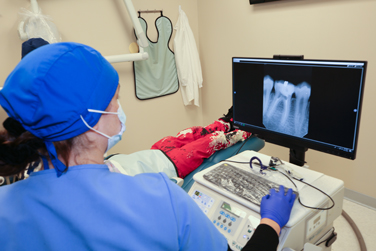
[19, 148]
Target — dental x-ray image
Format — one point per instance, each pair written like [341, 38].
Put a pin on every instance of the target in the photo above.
[286, 106]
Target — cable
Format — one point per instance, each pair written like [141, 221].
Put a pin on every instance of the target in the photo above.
[317, 208]
[262, 167]
[233, 161]
[333, 233]
[356, 230]
[273, 160]
[242, 145]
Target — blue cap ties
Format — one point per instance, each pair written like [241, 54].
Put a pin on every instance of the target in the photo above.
[58, 165]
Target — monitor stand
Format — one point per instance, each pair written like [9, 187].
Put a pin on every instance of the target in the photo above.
[297, 156]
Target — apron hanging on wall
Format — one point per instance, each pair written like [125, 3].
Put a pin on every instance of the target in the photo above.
[156, 76]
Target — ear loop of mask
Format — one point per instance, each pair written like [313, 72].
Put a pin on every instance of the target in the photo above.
[102, 112]
[101, 133]
[99, 111]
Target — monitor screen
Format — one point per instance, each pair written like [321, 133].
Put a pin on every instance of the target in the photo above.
[300, 104]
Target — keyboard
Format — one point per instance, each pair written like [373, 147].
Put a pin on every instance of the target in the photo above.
[249, 186]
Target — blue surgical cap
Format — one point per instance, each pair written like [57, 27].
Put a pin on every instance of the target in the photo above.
[51, 87]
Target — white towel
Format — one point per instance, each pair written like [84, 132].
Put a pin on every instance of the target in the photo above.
[187, 61]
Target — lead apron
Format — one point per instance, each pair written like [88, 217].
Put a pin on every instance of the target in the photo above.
[156, 76]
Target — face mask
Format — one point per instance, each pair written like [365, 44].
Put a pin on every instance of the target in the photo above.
[113, 140]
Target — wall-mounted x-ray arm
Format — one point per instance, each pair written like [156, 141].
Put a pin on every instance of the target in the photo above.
[34, 6]
[142, 40]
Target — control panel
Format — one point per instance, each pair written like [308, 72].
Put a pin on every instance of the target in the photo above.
[234, 221]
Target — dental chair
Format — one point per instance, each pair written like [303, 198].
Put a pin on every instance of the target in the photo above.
[148, 161]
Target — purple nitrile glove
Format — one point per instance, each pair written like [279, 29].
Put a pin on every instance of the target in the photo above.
[277, 206]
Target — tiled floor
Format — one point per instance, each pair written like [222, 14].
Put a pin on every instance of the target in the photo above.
[364, 218]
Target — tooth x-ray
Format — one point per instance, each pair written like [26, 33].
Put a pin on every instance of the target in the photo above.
[286, 106]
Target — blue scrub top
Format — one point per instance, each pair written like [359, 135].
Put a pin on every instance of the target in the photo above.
[90, 208]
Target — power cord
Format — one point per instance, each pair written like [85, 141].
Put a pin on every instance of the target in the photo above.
[330, 240]
[242, 145]
[317, 208]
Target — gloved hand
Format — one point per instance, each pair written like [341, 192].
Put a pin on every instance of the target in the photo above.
[277, 206]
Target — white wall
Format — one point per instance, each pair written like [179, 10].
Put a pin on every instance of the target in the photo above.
[318, 29]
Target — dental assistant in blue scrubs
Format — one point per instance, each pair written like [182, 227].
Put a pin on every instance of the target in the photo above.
[62, 103]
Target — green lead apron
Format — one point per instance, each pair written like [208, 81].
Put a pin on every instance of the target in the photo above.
[156, 76]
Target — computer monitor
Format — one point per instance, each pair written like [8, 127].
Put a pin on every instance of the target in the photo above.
[300, 104]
